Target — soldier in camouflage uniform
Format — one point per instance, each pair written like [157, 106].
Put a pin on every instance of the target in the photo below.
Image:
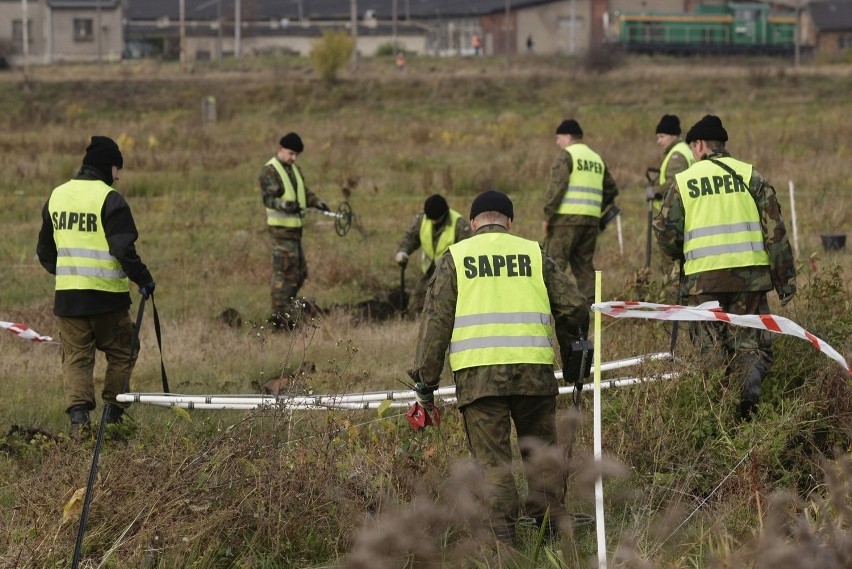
[285, 197]
[581, 187]
[722, 219]
[477, 299]
[440, 226]
[677, 158]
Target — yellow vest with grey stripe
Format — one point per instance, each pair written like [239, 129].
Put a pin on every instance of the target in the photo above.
[722, 224]
[680, 148]
[83, 261]
[280, 218]
[502, 310]
[447, 238]
[584, 194]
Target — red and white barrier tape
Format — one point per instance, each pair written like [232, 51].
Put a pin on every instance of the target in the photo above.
[27, 333]
[710, 311]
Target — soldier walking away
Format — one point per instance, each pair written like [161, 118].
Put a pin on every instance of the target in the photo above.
[580, 189]
[286, 196]
[722, 219]
[433, 231]
[677, 158]
[87, 240]
[487, 288]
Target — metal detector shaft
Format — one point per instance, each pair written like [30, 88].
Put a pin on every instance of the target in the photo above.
[78, 547]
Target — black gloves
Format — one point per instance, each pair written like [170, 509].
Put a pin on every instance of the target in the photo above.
[147, 290]
[322, 206]
[425, 393]
[291, 207]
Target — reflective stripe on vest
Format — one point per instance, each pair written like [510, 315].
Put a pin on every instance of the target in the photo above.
[679, 148]
[503, 310]
[280, 218]
[584, 194]
[722, 225]
[447, 238]
[83, 261]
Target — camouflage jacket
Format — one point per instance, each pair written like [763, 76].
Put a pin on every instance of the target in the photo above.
[570, 313]
[560, 171]
[781, 272]
[272, 190]
[410, 242]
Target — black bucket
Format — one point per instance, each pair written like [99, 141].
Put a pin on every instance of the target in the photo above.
[833, 241]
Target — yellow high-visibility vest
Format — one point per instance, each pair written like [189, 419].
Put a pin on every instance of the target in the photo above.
[722, 225]
[503, 310]
[679, 148]
[280, 218]
[584, 194]
[447, 238]
[83, 261]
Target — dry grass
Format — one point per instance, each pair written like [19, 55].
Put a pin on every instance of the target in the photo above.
[273, 489]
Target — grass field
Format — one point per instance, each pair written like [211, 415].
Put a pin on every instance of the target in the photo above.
[687, 485]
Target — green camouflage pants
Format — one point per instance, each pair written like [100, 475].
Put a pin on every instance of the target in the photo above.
[573, 248]
[744, 353]
[289, 270]
[111, 333]
[488, 426]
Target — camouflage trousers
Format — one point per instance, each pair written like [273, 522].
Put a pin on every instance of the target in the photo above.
[289, 270]
[488, 425]
[417, 297]
[744, 353]
[573, 248]
[80, 337]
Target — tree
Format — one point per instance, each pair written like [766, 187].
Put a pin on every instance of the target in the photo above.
[331, 53]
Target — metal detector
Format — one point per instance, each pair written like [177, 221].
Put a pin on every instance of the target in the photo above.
[342, 218]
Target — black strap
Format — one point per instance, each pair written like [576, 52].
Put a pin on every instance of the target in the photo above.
[160, 344]
[729, 170]
[134, 346]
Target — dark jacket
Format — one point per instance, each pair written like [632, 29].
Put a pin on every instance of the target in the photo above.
[121, 235]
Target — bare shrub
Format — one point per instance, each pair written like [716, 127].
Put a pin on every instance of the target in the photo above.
[331, 53]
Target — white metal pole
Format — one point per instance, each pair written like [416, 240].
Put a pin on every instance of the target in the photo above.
[620, 234]
[793, 218]
[25, 37]
[600, 526]
[238, 27]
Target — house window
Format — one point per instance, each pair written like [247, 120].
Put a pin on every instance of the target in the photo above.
[844, 42]
[18, 34]
[83, 29]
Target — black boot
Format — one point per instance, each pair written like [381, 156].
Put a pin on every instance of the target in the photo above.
[114, 414]
[79, 415]
[748, 409]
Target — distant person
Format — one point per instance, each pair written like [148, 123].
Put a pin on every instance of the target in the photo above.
[722, 219]
[677, 158]
[87, 240]
[286, 197]
[400, 61]
[580, 189]
[476, 44]
[486, 289]
[433, 231]
[529, 44]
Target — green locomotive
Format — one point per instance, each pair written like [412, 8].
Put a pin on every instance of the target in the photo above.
[733, 28]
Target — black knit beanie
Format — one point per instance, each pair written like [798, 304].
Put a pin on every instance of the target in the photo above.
[708, 128]
[292, 141]
[669, 124]
[435, 207]
[492, 200]
[569, 126]
[102, 154]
